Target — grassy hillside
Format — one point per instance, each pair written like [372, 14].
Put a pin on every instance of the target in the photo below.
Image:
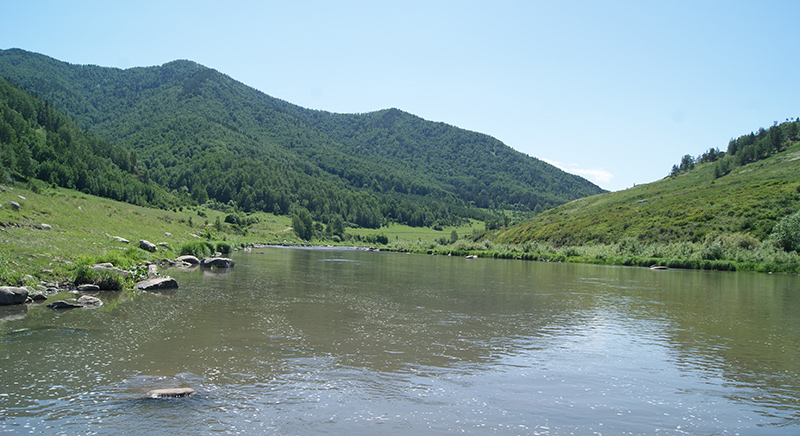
[83, 227]
[202, 135]
[687, 207]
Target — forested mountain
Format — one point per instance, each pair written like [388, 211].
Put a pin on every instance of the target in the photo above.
[38, 141]
[202, 135]
[744, 191]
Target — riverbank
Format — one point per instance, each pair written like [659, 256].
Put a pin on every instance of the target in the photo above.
[55, 232]
[717, 253]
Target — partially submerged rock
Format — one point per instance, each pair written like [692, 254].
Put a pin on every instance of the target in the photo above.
[191, 260]
[38, 296]
[157, 284]
[12, 295]
[61, 304]
[88, 287]
[217, 262]
[88, 301]
[170, 393]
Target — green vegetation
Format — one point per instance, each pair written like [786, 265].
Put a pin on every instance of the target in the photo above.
[737, 252]
[222, 166]
[37, 141]
[206, 138]
[82, 231]
[105, 279]
[746, 219]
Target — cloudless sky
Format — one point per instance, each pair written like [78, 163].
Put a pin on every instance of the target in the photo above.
[615, 91]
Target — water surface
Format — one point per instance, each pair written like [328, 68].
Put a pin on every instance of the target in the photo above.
[296, 341]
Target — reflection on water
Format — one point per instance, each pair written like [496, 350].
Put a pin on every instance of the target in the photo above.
[328, 341]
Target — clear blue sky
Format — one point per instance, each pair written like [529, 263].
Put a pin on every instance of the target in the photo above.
[616, 91]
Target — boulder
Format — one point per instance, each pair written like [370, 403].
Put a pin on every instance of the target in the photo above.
[103, 265]
[157, 284]
[152, 270]
[88, 287]
[12, 204]
[217, 262]
[61, 304]
[121, 239]
[87, 301]
[170, 393]
[147, 245]
[37, 296]
[191, 260]
[46, 227]
[12, 295]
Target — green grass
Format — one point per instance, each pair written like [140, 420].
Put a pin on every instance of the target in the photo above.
[401, 232]
[82, 228]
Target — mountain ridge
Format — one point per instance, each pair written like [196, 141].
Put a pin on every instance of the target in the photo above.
[386, 160]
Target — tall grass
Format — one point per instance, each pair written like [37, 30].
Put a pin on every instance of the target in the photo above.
[198, 249]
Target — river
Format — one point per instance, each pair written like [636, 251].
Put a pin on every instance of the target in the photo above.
[319, 341]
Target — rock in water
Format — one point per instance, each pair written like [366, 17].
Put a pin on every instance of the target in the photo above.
[170, 393]
[12, 295]
[157, 283]
[88, 301]
[61, 304]
[88, 287]
[191, 260]
[217, 262]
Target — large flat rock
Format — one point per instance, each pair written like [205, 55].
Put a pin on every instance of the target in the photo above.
[157, 284]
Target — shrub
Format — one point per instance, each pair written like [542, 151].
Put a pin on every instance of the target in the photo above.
[197, 249]
[224, 247]
[106, 279]
[786, 234]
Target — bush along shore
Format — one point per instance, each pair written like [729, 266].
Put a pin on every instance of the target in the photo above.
[734, 252]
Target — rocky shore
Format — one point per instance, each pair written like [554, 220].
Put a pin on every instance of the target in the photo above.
[85, 293]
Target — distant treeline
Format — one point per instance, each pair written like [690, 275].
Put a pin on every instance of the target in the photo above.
[745, 149]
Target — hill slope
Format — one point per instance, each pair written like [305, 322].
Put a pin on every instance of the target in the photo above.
[203, 135]
[749, 199]
[38, 141]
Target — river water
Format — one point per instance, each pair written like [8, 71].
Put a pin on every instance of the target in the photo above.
[298, 341]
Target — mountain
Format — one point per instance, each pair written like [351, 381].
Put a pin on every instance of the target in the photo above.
[204, 136]
[745, 191]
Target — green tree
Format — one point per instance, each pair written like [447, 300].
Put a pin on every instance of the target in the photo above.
[786, 233]
[302, 224]
[336, 226]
